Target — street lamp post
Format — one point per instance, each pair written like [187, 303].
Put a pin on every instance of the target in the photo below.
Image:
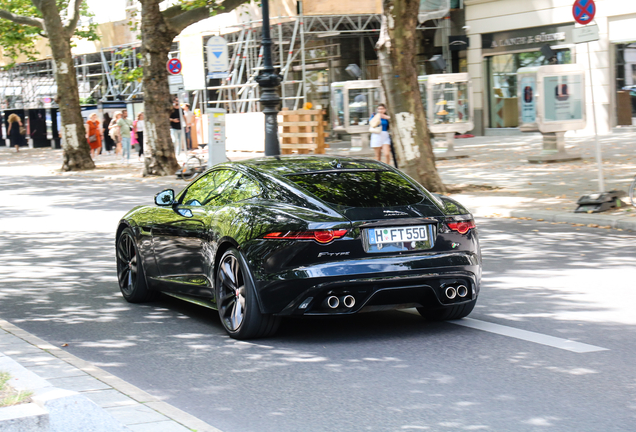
[269, 81]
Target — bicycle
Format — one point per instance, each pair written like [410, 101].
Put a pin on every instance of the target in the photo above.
[192, 167]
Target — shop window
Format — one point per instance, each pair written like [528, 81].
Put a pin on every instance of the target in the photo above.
[502, 83]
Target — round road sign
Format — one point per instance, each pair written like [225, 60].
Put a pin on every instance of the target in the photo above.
[174, 66]
[583, 11]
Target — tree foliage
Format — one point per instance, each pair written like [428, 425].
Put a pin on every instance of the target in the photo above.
[19, 39]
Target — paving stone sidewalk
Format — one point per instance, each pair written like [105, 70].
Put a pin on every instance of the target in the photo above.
[135, 409]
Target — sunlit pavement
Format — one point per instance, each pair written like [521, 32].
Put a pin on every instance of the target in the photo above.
[546, 287]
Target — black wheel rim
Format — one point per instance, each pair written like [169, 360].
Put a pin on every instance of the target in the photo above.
[231, 300]
[126, 264]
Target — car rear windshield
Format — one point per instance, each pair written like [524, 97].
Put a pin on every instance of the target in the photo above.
[368, 188]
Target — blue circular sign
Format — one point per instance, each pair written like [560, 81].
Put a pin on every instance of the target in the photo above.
[174, 66]
[583, 11]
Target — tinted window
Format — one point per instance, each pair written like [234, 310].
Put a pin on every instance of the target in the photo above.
[359, 189]
[246, 188]
[208, 190]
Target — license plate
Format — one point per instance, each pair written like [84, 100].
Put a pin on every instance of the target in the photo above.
[378, 236]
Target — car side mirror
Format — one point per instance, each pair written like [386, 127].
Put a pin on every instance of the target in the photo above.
[165, 198]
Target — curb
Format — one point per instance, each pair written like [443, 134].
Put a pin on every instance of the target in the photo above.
[624, 223]
[138, 395]
[52, 409]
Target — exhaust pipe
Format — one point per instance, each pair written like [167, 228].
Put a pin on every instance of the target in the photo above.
[348, 301]
[450, 293]
[332, 302]
[462, 291]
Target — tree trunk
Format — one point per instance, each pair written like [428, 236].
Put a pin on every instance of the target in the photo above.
[157, 38]
[74, 143]
[396, 54]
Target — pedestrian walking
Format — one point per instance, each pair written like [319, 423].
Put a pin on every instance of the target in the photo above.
[380, 138]
[108, 141]
[125, 127]
[115, 132]
[188, 117]
[93, 135]
[138, 132]
[16, 137]
[175, 128]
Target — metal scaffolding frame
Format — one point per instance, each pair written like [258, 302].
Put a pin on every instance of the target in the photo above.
[292, 37]
[32, 85]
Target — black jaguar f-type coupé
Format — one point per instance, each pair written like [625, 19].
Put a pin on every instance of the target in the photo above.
[301, 235]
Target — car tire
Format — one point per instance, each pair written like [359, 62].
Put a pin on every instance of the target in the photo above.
[447, 313]
[130, 270]
[236, 300]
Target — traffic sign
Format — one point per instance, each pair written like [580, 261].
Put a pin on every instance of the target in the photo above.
[583, 11]
[217, 54]
[585, 34]
[174, 66]
[175, 82]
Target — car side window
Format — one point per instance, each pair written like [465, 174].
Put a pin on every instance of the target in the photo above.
[208, 190]
[245, 188]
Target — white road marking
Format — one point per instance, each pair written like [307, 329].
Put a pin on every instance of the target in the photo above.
[555, 342]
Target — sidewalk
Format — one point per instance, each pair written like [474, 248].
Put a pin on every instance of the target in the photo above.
[495, 181]
[72, 395]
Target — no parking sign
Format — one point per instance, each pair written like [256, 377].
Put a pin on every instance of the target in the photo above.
[583, 11]
[174, 66]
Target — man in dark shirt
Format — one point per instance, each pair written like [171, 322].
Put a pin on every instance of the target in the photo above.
[175, 128]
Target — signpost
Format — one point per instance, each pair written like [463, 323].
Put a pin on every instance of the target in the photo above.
[583, 12]
[175, 82]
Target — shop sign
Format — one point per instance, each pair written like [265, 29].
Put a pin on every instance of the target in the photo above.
[585, 34]
[526, 39]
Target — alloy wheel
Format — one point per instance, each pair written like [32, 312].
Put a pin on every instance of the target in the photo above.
[126, 264]
[231, 293]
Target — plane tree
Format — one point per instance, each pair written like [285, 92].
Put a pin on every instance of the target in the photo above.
[22, 22]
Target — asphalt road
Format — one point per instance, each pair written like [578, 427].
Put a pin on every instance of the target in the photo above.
[571, 289]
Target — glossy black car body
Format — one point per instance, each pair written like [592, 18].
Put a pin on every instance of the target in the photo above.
[258, 233]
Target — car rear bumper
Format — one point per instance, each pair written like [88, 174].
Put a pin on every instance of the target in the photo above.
[375, 284]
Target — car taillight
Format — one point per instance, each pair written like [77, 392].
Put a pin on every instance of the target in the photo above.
[461, 227]
[321, 236]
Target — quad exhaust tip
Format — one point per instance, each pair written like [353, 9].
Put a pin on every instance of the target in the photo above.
[450, 292]
[348, 301]
[333, 302]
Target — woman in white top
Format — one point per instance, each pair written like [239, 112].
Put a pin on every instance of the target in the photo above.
[138, 131]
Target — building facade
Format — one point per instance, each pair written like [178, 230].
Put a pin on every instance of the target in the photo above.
[508, 34]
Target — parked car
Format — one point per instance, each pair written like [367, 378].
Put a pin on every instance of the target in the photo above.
[265, 238]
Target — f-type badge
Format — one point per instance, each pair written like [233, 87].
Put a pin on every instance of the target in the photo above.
[322, 254]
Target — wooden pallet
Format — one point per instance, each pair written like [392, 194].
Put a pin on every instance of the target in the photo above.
[303, 131]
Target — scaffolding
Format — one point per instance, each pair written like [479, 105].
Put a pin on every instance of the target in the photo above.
[32, 85]
[296, 41]
[299, 43]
